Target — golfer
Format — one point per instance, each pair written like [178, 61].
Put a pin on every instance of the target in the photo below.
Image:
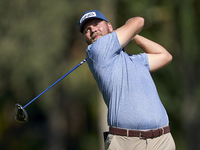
[136, 117]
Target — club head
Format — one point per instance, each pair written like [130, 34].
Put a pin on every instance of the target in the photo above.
[21, 115]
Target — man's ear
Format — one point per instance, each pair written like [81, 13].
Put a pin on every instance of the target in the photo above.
[110, 27]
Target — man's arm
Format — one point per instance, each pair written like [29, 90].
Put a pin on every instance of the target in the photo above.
[131, 28]
[158, 56]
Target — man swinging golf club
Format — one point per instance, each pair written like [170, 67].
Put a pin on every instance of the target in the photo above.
[136, 116]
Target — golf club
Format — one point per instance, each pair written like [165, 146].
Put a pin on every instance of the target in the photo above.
[20, 113]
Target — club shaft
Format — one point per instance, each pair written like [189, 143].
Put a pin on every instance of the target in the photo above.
[55, 83]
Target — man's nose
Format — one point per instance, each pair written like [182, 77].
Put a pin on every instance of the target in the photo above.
[93, 29]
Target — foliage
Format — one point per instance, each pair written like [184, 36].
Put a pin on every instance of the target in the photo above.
[39, 42]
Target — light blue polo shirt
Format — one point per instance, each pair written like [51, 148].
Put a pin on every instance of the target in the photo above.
[126, 85]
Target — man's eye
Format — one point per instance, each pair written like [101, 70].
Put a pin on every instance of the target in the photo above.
[86, 30]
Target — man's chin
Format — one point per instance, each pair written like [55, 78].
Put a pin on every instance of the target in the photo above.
[93, 40]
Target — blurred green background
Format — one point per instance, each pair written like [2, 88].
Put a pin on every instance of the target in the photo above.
[39, 42]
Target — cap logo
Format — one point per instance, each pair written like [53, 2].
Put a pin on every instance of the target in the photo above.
[88, 15]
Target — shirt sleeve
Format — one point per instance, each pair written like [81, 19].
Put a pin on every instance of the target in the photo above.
[143, 58]
[104, 50]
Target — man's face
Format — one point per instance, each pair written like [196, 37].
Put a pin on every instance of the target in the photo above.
[95, 29]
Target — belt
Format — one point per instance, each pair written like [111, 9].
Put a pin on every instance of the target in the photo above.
[141, 134]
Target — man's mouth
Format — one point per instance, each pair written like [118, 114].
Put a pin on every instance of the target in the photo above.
[96, 36]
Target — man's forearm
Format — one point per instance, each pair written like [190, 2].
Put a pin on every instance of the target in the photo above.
[132, 27]
[158, 56]
[147, 45]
